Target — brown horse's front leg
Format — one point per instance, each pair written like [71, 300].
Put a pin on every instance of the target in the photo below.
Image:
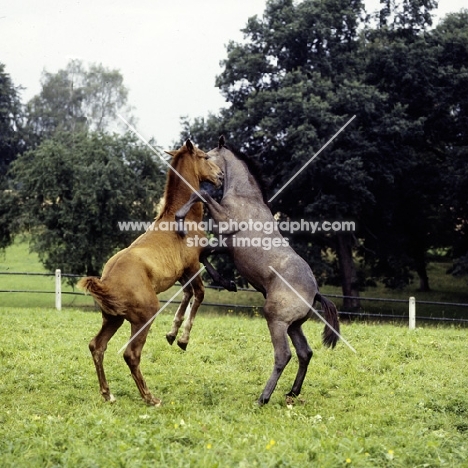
[182, 213]
[179, 315]
[199, 294]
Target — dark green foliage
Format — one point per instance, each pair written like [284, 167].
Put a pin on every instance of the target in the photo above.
[10, 122]
[75, 188]
[306, 68]
[9, 213]
[11, 143]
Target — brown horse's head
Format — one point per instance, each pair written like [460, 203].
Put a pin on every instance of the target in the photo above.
[190, 159]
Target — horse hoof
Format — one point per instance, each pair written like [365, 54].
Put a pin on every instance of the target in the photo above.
[232, 287]
[170, 338]
[182, 345]
[262, 401]
[290, 400]
[109, 398]
[151, 400]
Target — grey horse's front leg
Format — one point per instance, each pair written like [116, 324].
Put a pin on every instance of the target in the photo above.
[215, 275]
[180, 217]
[217, 212]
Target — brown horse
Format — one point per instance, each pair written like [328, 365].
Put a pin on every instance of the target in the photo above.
[152, 264]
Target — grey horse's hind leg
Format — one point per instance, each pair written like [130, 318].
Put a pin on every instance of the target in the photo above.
[279, 338]
[304, 355]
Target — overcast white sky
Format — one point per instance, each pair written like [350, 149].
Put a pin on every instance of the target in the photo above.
[168, 51]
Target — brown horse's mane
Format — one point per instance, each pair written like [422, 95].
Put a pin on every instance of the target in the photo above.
[170, 197]
[254, 168]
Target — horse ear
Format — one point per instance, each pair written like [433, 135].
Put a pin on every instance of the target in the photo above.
[221, 142]
[171, 153]
[189, 145]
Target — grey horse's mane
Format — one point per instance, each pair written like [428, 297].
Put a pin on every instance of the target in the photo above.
[254, 168]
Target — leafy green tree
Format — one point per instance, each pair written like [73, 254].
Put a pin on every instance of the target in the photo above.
[291, 86]
[76, 187]
[303, 70]
[11, 144]
[450, 126]
[423, 73]
[77, 98]
[11, 116]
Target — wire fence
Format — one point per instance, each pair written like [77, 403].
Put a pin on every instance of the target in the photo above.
[406, 314]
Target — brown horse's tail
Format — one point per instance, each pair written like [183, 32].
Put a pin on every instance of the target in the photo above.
[330, 334]
[102, 295]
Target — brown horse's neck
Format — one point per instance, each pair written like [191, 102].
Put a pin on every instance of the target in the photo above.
[177, 192]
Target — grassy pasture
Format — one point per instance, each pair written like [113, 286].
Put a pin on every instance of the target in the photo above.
[401, 401]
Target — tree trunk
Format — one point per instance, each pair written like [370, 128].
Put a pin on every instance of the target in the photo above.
[419, 258]
[344, 250]
[423, 278]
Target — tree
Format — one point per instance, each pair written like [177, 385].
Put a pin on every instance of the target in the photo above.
[303, 70]
[450, 128]
[290, 86]
[76, 187]
[423, 73]
[77, 98]
[11, 144]
[11, 115]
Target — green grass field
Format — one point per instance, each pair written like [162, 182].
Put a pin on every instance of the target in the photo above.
[400, 401]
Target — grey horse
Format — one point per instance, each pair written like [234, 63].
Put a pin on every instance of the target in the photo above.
[266, 260]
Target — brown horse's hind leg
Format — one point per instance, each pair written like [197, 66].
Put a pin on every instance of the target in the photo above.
[199, 292]
[98, 345]
[304, 355]
[132, 356]
[179, 315]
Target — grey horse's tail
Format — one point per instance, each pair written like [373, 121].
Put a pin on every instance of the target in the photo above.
[330, 334]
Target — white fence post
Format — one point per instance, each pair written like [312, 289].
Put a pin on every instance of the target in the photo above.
[412, 313]
[58, 289]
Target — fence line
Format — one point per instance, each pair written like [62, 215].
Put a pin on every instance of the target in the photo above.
[411, 301]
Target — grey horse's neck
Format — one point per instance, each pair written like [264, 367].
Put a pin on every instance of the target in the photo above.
[238, 180]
